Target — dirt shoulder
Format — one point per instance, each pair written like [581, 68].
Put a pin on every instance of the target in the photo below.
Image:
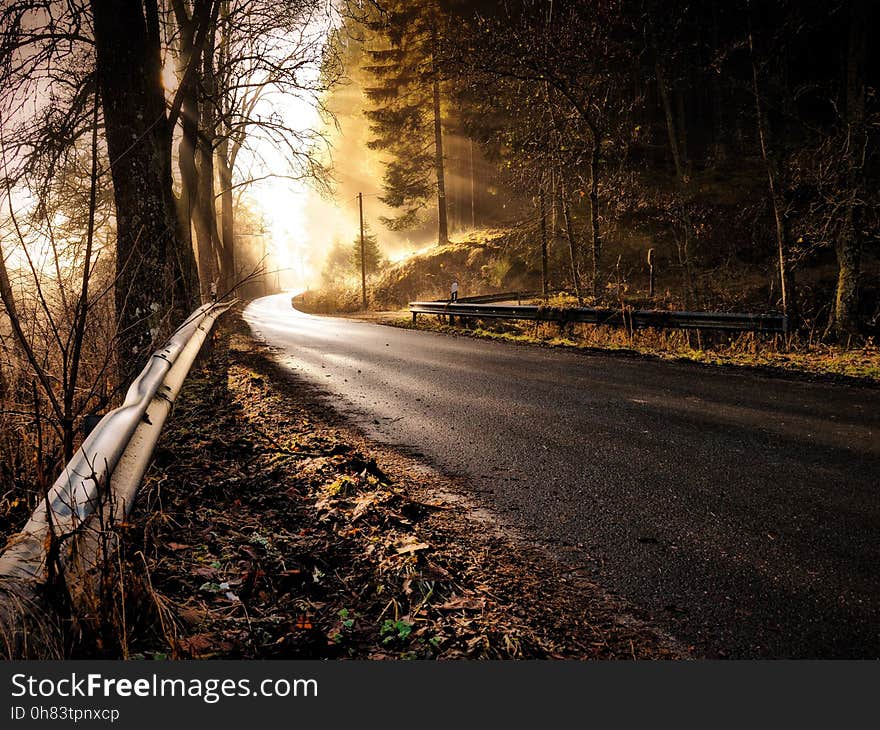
[273, 530]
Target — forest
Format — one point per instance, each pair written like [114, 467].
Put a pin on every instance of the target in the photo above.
[663, 154]
[733, 143]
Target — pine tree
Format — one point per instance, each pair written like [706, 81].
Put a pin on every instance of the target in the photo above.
[406, 118]
[373, 258]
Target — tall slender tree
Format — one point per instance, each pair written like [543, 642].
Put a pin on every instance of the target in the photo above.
[849, 242]
[406, 118]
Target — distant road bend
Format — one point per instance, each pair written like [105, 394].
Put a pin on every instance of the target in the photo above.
[738, 510]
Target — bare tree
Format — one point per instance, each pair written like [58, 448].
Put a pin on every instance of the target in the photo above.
[252, 67]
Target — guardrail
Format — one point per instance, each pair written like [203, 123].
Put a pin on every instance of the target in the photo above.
[97, 486]
[632, 318]
[499, 297]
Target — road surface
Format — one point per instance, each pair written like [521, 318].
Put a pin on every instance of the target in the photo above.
[739, 511]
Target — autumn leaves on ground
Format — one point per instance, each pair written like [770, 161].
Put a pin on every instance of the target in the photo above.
[268, 530]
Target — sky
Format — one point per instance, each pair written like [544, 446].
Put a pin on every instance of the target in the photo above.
[300, 222]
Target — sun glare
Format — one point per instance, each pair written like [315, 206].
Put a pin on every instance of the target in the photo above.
[301, 224]
[169, 74]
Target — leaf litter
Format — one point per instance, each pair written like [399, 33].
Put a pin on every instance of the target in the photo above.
[271, 531]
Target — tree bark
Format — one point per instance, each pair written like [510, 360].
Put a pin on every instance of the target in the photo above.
[682, 182]
[771, 183]
[442, 226]
[544, 284]
[473, 184]
[225, 162]
[227, 219]
[849, 244]
[206, 211]
[156, 281]
[595, 231]
[572, 242]
[189, 118]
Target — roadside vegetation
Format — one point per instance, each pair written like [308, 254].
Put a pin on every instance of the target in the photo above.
[498, 261]
[269, 530]
[769, 352]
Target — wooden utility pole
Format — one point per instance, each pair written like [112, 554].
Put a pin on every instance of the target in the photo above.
[363, 255]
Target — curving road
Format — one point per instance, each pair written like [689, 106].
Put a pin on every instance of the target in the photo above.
[741, 512]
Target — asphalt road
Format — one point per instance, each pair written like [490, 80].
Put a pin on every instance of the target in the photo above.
[740, 511]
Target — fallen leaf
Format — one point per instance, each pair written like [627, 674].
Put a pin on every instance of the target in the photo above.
[463, 603]
[197, 644]
[412, 547]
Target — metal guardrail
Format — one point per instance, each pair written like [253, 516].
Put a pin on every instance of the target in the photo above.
[635, 318]
[103, 478]
[499, 297]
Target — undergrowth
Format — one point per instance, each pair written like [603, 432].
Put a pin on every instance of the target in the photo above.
[265, 532]
[788, 353]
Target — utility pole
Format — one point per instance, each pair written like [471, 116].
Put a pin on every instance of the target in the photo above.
[363, 255]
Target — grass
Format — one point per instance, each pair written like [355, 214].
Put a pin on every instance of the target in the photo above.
[743, 350]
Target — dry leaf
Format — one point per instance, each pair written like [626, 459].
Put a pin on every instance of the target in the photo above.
[412, 547]
[463, 603]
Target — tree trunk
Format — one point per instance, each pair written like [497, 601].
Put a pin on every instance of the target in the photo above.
[849, 245]
[227, 220]
[156, 285]
[554, 212]
[442, 228]
[186, 162]
[596, 140]
[682, 183]
[572, 242]
[473, 184]
[195, 154]
[189, 112]
[771, 184]
[206, 211]
[225, 163]
[544, 284]
[595, 231]
[205, 222]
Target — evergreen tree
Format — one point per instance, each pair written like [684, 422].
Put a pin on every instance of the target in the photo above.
[373, 258]
[406, 117]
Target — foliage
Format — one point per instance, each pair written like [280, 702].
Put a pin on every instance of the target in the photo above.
[641, 118]
[405, 109]
[373, 259]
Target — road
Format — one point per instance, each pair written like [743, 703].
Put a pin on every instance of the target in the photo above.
[739, 511]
